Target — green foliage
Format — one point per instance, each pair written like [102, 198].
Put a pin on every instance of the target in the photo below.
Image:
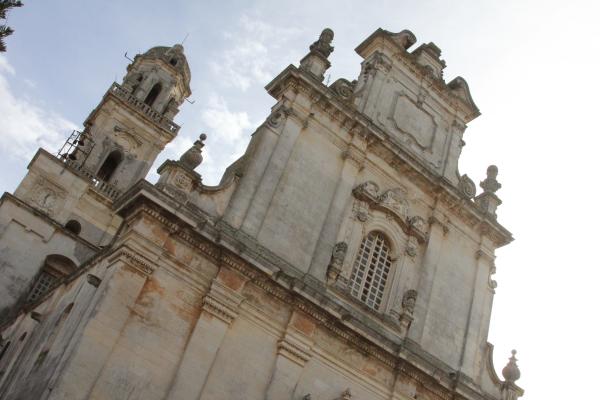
[5, 6]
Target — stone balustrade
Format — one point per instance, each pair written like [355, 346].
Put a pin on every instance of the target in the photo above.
[98, 185]
[153, 115]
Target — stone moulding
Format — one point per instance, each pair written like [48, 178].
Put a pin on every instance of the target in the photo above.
[293, 293]
[393, 202]
[350, 120]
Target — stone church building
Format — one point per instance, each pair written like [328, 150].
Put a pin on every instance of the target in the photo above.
[343, 256]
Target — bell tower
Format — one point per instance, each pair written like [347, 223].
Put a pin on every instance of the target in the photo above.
[134, 121]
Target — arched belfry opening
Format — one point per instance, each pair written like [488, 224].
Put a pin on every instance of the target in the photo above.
[110, 165]
[153, 94]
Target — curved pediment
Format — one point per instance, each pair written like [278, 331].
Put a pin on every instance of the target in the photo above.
[459, 87]
[393, 202]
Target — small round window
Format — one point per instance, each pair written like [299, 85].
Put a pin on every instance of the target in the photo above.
[73, 227]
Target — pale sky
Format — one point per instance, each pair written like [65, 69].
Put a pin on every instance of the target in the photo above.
[532, 67]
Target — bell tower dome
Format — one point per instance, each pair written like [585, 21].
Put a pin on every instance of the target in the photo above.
[132, 124]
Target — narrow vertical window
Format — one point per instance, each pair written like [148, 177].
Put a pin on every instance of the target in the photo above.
[371, 270]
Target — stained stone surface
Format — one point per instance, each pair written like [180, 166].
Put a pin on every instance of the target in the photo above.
[241, 290]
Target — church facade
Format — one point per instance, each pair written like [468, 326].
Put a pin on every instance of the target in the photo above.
[343, 256]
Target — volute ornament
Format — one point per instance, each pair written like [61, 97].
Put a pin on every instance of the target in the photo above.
[193, 156]
[467, 187]
[343, 88]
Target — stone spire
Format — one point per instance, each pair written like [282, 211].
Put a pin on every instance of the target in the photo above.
[316, 62]
[193, 156]
[488, 201]
[511, 372]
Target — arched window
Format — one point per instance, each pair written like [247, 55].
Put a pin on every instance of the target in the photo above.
[55, 267]
[153, 94]
[110, 165]
[73, 227]
[371, 270]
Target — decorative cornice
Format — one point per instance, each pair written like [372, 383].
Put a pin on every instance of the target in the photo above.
[327, 312]
[133, 259]
[349, 119]
[293, 351]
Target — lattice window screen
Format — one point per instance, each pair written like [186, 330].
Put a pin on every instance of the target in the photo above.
[42, 284]
[371, 270]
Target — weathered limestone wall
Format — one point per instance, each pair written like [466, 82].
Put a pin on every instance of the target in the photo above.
[26, 239]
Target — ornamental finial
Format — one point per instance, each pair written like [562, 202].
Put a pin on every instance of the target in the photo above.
[490, 184]
[511, 372]
[323, 44]
[193, 156]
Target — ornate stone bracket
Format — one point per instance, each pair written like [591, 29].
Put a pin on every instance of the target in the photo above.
[404, 311]
[337, 262]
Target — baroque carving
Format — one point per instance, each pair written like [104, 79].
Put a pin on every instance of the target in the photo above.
[183, 181]
[412, 246]
[346, 395]
[337, 261]
[323, 44]
[395, 199]
[343, 88]
[366, 189]
[404, 39]
[408, 301]
[379, 62]
[467, 187]
[277, 117]
[45, 196]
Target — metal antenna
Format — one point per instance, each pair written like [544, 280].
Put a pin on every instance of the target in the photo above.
[191, 102]
[186, 36]
[127, 57]
[328, 77]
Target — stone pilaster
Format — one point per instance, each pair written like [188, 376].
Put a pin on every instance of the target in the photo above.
[293, 351]
[219, 309]
[353, 162]
[437, 230]
[274, 170]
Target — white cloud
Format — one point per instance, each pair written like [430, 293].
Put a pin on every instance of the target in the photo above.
[251, 57]
[26, 126]
[227, 125]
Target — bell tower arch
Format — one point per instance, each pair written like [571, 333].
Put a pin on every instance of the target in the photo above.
[132, 124]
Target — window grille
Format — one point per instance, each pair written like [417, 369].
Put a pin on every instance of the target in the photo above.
[42, 284]
[371, 269]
